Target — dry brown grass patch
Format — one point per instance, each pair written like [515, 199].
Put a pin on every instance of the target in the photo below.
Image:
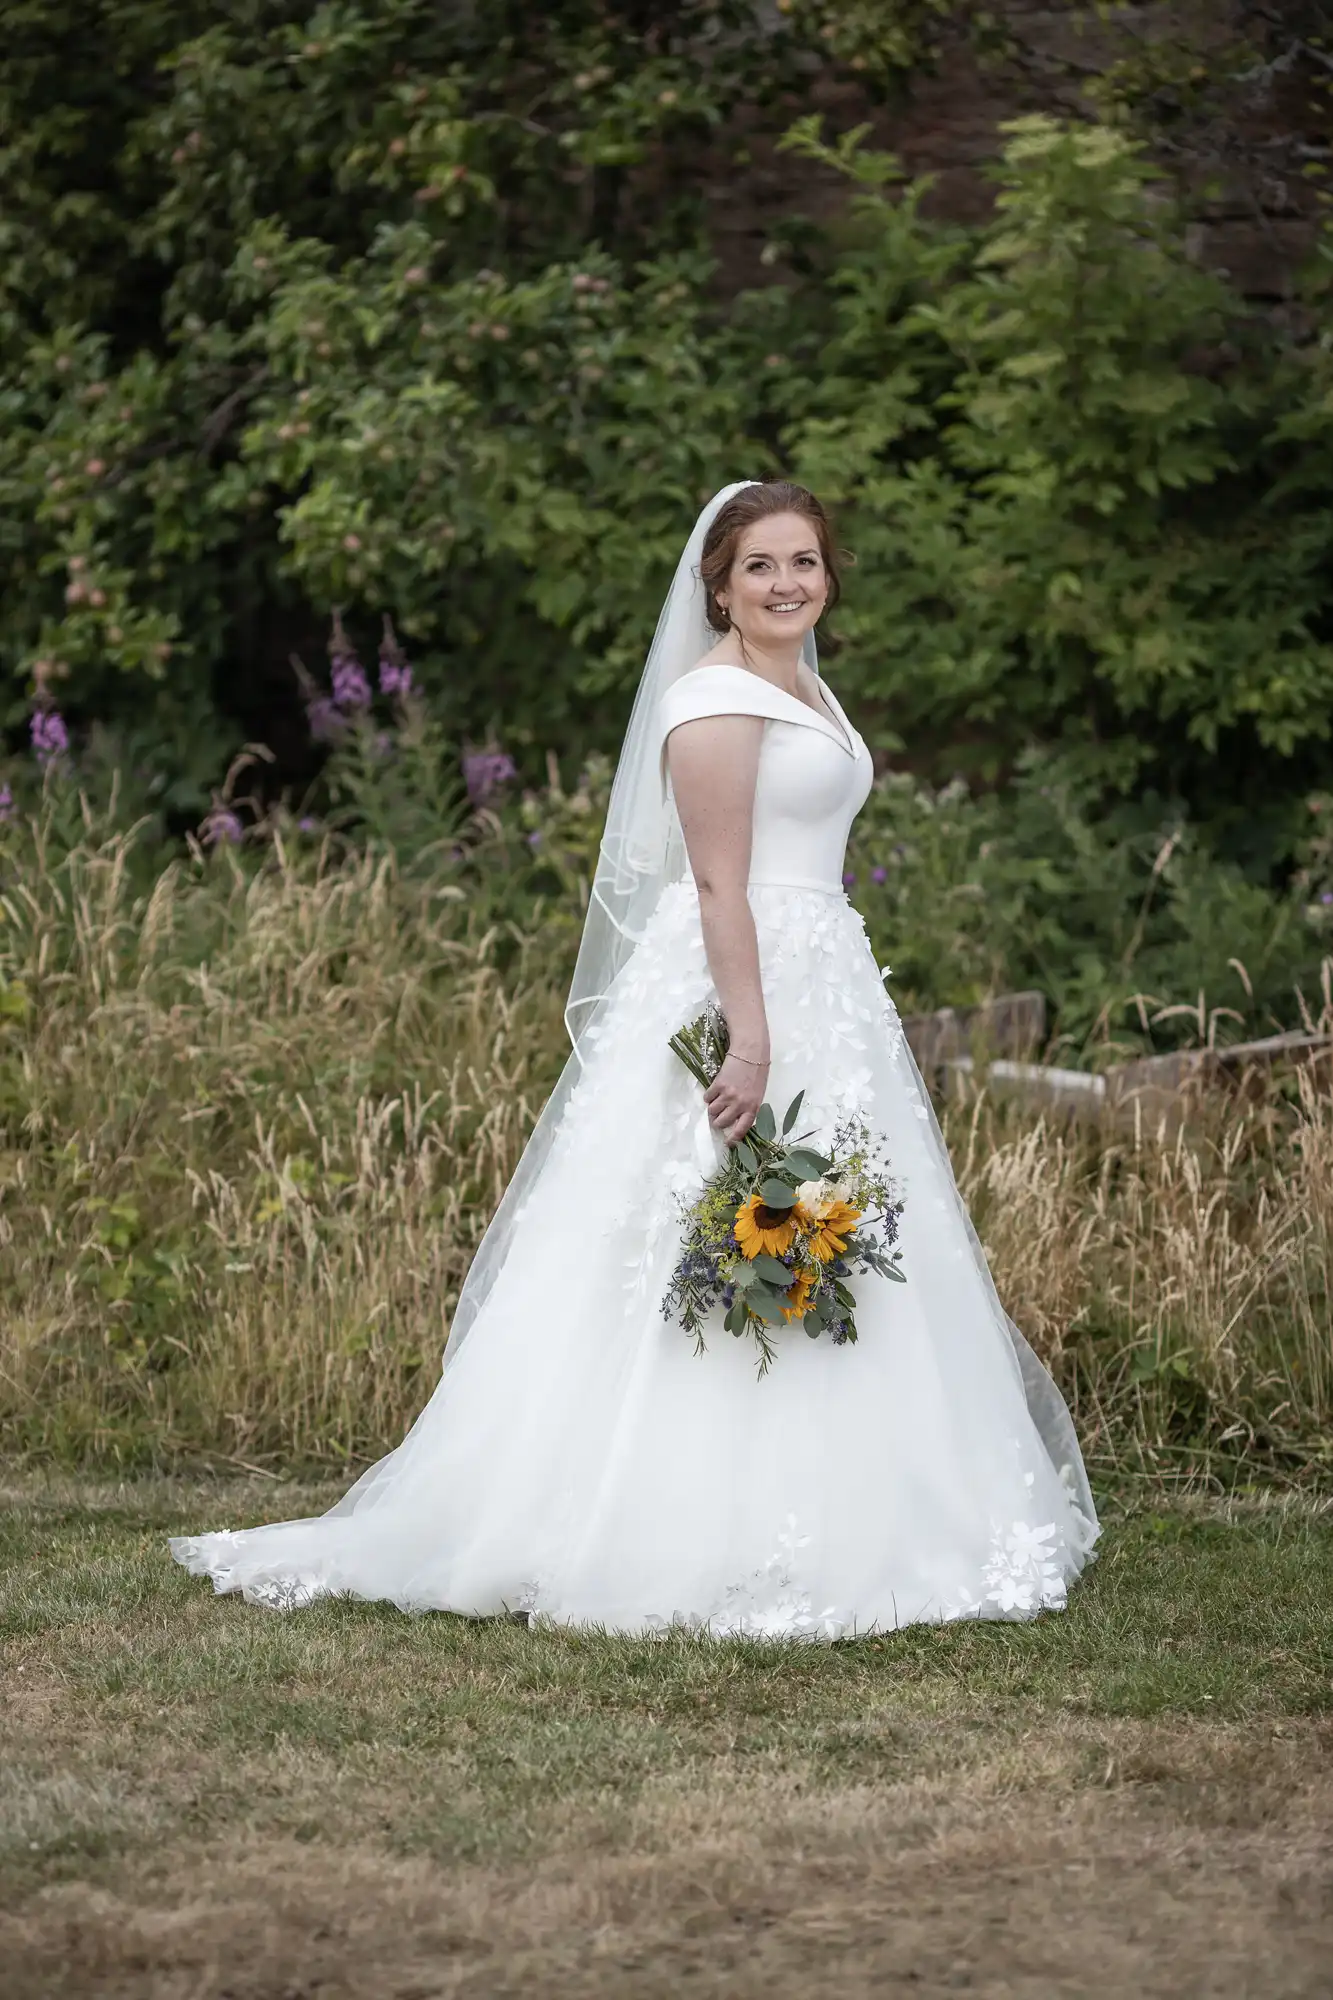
[1200, 1861]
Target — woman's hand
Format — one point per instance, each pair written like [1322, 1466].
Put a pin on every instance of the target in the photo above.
[734, 1097]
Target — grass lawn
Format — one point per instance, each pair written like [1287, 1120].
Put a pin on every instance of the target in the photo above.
[204, 1801]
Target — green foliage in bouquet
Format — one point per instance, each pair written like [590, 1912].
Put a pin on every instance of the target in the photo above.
[781, 1226]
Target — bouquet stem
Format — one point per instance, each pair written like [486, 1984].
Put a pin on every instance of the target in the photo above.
[703, 1045]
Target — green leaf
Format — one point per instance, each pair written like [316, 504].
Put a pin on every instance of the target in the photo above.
[747, 1156]
[736, 1317]
[776, 1194]
[765, 1304]
[765, 1125]
[743, 1277]
[1149, 1366]
[807, 1165]
[770, 1269]
[792, 1110]
[813, 1325]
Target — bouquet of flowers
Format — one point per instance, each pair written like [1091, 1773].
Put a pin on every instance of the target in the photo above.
[780, 1227]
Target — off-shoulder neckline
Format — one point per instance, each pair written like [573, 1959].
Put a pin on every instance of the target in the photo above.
[830, 717]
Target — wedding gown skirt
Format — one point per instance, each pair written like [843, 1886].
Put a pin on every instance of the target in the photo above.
[579, 1462]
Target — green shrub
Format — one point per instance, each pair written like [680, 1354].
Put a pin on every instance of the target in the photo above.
[1091, 498]
[1141, 936]
[407, 309]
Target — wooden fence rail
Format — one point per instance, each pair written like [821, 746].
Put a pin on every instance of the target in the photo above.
[957, 1048]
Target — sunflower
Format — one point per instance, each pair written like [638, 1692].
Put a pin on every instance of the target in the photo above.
[798, 1294]
[760, 1228]
[826, 1234]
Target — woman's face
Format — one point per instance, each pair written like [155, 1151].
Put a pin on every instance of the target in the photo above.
[778, 583]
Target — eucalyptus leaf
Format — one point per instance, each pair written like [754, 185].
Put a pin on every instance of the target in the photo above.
[765, 1304]
[748, 1157]
[743, 1277]
[765, 1125]
[792, 1110]
[813, 1325]
[809, 1166]
[770, 1269]
[776, 1194]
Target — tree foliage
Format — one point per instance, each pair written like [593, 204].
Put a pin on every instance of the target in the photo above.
[357, 303]
[412, 309]
[1091, 494]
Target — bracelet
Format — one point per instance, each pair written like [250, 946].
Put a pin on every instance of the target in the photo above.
[751, 1060]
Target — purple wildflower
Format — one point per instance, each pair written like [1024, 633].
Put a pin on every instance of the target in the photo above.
[351, 689]
[395, 677]
[484, 771]
[307, 824]
[1327, 896]
[324, 716]
[50, 738]
[221, 826]
[535, 838]
[395, 670]
[879, 874]
[849, 878]
[6, 804]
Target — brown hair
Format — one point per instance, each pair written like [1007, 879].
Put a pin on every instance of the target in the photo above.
[751, 504]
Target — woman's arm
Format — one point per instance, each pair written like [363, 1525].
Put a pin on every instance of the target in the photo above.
[714, 763]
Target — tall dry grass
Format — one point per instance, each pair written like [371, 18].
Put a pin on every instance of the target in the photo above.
[1175, 1272]
[254, 1124]
[254, 1120]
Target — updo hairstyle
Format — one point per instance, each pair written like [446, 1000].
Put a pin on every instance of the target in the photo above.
[751, 504]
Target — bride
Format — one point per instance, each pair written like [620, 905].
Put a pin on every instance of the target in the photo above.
[578, 1461]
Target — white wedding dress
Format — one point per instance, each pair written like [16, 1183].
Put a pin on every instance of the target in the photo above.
[579, 1462]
